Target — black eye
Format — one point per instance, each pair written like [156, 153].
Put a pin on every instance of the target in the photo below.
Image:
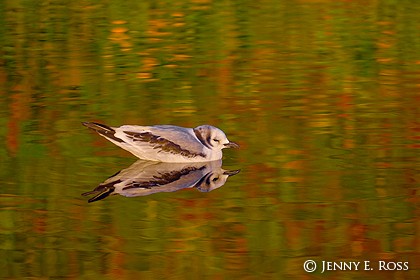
[216, 140]
[215, 179]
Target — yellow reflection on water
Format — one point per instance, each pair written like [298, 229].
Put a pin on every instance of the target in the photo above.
[322, 96]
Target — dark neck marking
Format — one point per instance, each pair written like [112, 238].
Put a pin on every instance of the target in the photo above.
[202, 140]
[161, 143]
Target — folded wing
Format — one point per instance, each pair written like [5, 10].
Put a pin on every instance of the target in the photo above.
[154, 140]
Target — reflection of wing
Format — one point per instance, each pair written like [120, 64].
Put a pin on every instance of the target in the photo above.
[146, 177]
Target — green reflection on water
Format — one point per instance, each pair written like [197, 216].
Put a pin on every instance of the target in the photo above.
[321, 96]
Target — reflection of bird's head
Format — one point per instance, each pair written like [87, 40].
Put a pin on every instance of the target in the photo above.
[214, 179]
[147, 177]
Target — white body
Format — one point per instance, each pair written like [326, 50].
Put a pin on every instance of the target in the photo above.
[167, 143]
[179, 135]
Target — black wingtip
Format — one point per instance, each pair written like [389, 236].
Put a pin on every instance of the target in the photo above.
[101, 195]
[103, 130]
[97, 126]
[89, 193]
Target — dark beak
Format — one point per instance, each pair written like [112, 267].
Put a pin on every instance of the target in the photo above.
[231, 145]
[231, 172]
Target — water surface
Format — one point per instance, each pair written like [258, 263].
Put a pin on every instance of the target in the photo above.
[322, 96]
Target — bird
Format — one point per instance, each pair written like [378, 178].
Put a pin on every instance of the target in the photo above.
[148, 177]
[167, 143]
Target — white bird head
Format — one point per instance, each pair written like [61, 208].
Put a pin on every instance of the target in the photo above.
[213, 138]
[215, 179]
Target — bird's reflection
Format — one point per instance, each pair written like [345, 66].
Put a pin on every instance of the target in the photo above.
[149, 177]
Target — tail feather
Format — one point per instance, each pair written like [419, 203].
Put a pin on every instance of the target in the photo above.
[99, 194]
[104, 130]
